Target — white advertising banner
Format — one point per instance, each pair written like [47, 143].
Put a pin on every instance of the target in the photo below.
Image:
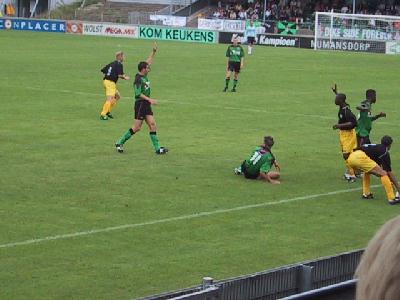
[234, 25]
[104, 29]
[210, 24]
[392, 47]
[222, 25]
[169, 20]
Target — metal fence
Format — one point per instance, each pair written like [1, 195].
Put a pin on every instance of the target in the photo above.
[182, 9]
[274, 284]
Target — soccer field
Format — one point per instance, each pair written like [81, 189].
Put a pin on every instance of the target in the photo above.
[80, 221]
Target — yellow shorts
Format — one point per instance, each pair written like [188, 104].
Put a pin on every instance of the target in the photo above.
[110, 87]
[360, 161]
[348, 140]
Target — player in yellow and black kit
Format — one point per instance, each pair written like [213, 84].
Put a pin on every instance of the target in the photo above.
[235, 55]
[375, 159]
[347, 134]
[112, 72]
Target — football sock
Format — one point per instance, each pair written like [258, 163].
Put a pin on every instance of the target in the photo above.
[106, 108]
[112, 104]
[388, 187]
[227, 82]
[366, 184]
[126, 136]
[350, 170]
[154, 140]
[235, 81]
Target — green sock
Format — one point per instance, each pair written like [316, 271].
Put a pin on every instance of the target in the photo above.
[234, 83]
[127, 135]
[227, 82]
[154, 140]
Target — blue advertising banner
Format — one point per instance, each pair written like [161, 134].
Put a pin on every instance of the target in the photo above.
[32, 25]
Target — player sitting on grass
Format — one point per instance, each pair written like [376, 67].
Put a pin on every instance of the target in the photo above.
[258, 165]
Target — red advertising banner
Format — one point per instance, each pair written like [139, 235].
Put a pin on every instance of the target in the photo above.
[74, 27]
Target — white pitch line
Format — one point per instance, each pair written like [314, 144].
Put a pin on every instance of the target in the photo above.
[202, 105]
[179, 218]
[187, 103]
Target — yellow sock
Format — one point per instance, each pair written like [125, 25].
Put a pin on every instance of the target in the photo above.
[366, 184]
[112, 105]
[106, 108]
[387, 184]
[350, 170]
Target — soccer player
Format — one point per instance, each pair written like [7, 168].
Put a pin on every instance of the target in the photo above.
[375, 159]
[112, 72]
[143, 103]
[259, 164]
[235, 55]
[365, 119]
[347, 134]
[251, 36]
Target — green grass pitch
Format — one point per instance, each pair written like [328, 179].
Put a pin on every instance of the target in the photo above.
[66, 194]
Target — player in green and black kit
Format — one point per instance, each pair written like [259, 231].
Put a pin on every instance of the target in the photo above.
[143, 110]
[364, 122]
[235, 56]
[259, 164]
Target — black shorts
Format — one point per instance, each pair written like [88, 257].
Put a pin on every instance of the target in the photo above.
[251, 40]
[234, 66]
[247, 174]
[362, 140]
[142, 109]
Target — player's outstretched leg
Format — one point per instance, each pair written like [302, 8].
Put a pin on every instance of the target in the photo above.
[127, 135]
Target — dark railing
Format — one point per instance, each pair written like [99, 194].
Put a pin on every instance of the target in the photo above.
[279, 283]
[343, 291]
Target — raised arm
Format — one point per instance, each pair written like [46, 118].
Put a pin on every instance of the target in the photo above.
[380, 115]
[334, 89]
[150, 59]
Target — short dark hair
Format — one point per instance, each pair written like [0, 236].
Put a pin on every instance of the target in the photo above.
[142, 65]
[370, 93]
[269, 141]
[341, 97]
[386, 140]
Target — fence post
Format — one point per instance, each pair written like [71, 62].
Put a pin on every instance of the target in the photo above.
[305, 278]
[207, 282]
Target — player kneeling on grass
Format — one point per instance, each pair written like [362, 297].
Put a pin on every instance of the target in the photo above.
[258, 165]
[375, 159]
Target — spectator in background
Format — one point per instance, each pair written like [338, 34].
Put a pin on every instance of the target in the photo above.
[379, 270]
[216, 14]
[242, 14]
[344, 9]
[232, 15]
[251, 36]
[268, 13]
